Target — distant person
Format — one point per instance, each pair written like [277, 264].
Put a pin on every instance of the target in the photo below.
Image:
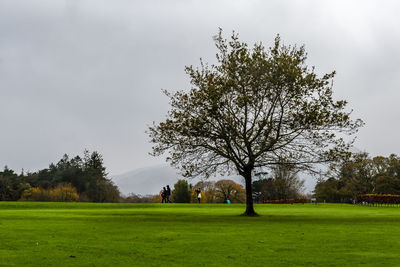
[164, 195]
[198, 192]
[168, 194]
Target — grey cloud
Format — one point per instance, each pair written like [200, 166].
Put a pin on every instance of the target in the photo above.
[88, 74]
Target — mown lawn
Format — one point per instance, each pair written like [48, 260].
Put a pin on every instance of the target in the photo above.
[87, 234]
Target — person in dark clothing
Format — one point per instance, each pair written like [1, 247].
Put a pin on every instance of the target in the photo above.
[168, 194]
[163, 195]
[198, 193]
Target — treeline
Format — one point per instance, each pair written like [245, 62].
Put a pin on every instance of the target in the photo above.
[281, 184]
[359, 176]
[211, 192]
[85, 179]
[70, 179]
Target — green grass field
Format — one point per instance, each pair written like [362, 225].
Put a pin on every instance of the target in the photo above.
[86, 234]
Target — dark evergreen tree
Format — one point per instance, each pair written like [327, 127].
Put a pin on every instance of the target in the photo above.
[182, 192]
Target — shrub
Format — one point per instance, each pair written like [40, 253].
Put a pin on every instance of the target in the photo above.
[229, 190]
[378, 199]
[103, 190]
[137, 198]
[182, 192]
[287, 201]
[62, 193]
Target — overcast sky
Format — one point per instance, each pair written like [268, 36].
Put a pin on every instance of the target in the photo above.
[78, 74]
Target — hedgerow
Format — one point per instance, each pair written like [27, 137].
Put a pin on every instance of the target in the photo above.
[377, 199]
[286, 201]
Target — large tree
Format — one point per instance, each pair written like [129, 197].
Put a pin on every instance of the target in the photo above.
[253, 109]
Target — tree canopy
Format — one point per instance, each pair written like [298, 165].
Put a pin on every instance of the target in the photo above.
[283, 183]
[253, 109]
[88, 175]
[360, 175]
[182, 192]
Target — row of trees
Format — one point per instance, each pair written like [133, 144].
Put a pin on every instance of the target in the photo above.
[282, 183]
[211, 192]
[360, 175]
[87, 175]
[377, 176]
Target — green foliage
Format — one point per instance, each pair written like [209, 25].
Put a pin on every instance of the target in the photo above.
[361, 175]
[284, 184]
[103, 190]
[329, 191]
[11, 185]
[182, 192]
[88, 175]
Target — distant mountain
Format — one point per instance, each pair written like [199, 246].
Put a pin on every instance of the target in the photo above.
[150, 180]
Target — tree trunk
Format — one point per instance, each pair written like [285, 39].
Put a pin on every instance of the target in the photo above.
[249, 196]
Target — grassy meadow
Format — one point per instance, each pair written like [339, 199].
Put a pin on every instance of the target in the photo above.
[88, 234]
